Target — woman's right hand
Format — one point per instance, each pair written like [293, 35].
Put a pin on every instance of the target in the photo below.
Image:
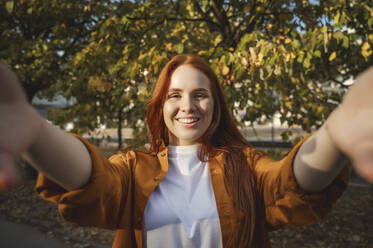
[20, 125]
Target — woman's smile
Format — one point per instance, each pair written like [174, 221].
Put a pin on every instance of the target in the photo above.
[188, 121]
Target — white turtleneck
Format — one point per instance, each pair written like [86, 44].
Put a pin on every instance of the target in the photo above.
[181, 212]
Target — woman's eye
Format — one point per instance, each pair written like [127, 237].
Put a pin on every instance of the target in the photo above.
[173, 95]
[200, 95]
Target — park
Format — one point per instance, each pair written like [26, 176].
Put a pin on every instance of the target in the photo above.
[283, 66]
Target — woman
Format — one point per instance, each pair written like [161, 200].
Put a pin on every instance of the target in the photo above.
[200, 185]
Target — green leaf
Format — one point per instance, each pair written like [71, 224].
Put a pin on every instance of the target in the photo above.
[124, 20]
[317, 54]
[217, 40]
[245, 40]
[338, 35]
[295, 44]
[204, 4]
[345, 42]
[370, 21]
[307, 62]
[179, 48]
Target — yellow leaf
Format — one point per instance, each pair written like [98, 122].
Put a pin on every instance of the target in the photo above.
[252, 54]
[87, 8]
[294, 80]
[243, 61]
[287, 40]
[225, 70]
[93, 44]
[287, 57]
[217, 40]
[108, 47]
[9, 6]
[319, 109]
[332, 56]
[169, 46]
[365, 46]
[259, 60]
[288, 104]
[336, 18]
[202, 52]
[365, 50]
[366, 53]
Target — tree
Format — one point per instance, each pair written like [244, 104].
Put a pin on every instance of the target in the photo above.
[38, 39]
[271, 56]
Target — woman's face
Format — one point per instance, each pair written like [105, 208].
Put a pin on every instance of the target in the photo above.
[189, 106]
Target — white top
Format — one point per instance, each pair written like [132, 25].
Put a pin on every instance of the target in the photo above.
[181, 212]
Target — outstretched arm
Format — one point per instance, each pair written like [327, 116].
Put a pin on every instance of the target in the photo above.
[57, 154]
[318, 162]
[348, 133]
[60, 156]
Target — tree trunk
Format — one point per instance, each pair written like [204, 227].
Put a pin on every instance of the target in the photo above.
[120, 128]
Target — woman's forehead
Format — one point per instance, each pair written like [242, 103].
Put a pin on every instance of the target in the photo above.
[186, 77]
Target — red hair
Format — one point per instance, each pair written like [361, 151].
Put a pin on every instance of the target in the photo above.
[221, 136]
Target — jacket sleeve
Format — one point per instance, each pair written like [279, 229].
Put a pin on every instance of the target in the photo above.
[100, 202]
[286, 204]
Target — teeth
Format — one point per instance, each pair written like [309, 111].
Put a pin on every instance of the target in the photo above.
[189, 120]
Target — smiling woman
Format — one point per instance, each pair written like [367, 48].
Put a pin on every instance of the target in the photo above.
[200, 184]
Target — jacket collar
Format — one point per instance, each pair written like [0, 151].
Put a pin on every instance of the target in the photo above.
[163, 158]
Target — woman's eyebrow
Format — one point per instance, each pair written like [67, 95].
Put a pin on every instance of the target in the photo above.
[201, 89]
[174, 90]
[178, 90]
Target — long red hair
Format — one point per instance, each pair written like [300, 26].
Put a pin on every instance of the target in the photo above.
[221, 136]
[222, 132]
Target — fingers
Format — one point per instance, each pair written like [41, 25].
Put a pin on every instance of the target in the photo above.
[8, 173]
[10, 88]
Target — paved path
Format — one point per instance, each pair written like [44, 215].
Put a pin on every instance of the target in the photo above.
[13, 235]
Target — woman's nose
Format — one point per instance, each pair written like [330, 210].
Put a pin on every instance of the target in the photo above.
[187, 105]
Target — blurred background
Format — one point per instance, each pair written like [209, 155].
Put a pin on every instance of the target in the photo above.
[89, 67]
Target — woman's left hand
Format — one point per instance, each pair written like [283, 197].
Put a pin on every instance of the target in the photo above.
[351, 124]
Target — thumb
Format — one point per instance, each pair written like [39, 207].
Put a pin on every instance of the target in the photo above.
[363, 163]
[8, 173]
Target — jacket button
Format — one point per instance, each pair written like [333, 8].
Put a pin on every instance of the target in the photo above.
[139, 219]
[163, 154]
[214, 171]
[156, 178]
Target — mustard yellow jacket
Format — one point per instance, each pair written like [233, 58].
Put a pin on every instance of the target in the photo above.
[119, 188]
